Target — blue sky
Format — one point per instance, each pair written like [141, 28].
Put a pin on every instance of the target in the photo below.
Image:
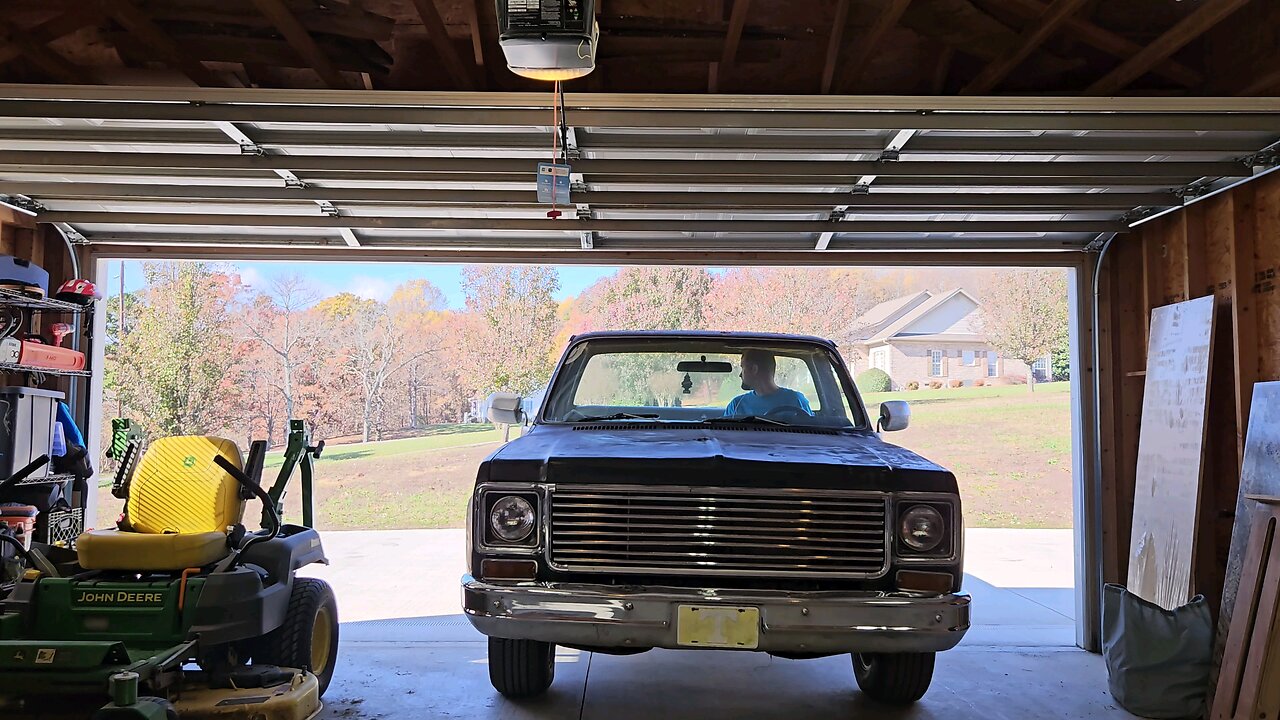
[371, 280]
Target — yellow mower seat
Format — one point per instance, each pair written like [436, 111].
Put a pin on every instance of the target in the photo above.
[180, 507]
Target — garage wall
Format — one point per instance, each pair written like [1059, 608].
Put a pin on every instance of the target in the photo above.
[1227, 246]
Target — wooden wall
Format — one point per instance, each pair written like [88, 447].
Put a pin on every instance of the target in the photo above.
[1227, 246]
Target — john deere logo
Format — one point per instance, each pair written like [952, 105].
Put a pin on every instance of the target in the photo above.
[189, 461]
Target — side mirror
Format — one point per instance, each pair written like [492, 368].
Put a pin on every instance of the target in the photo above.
[504, 408]
[894, 415]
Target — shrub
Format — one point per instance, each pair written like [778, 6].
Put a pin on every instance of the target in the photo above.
[913, 385]
[874, 380]
[956, 384]
[935, 384]
[980, 382]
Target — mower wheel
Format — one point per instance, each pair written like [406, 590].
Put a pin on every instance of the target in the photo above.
[308, 639]
[521, 668]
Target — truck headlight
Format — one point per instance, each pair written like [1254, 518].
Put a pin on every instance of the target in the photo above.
[511, 518]
[922, 528]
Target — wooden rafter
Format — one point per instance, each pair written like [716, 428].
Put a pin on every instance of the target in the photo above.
[867, 44]
[942, 70]
[301, 41]
[439, 34]
[1210, 13]
[1032, 38]
[52, 29]
[477, 41]
[833, 45]
[44, 57]
[729, 50]
[146, 32]
[1110, 43]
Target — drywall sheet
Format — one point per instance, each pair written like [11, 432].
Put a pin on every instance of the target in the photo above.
[1170, 452]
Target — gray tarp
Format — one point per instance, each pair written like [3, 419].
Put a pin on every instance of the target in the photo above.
[1157, 659]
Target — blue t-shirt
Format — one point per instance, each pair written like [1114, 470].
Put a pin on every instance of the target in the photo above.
[753, 403]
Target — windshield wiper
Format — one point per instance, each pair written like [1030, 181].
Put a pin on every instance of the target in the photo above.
[746, 420]
[617, 416]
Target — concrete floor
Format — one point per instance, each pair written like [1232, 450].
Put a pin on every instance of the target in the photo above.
[407, 651]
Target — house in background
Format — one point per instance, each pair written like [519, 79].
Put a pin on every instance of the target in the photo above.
[925, 336]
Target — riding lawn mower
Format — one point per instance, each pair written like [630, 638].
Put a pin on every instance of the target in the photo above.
[180, 612]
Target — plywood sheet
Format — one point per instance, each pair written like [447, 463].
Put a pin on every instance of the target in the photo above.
[1171, 452]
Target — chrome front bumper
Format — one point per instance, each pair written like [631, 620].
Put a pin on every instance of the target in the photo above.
[645, 617]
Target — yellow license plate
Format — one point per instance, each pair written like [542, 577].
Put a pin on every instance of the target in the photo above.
[718, 626]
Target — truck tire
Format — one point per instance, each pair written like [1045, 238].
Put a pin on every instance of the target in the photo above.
[521, 668]
[896, 678]
[308, 639]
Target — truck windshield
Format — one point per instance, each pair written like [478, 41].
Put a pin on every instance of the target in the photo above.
[700, 380]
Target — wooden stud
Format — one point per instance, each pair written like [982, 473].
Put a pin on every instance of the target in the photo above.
[1109, 379]
[1153, 254]
[737, 21]
[1032, 38]
[301, 41]
[1191, 230]
[867, 44]
[477, 41]
[1209, 14]
[1244, 315]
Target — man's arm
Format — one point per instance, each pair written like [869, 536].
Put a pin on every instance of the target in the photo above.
[804, 403]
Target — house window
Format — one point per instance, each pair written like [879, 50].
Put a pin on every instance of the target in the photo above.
[969, 358]
[993, 364]
[880, 358]
[935, 363]
[1041, 369]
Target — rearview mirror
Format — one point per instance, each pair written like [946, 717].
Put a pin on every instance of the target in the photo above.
[894, 415]
[704, 366]
[505, 408]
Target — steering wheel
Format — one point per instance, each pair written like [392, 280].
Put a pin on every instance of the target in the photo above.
[786, 412]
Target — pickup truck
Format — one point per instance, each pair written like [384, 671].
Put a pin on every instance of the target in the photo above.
[712, 490]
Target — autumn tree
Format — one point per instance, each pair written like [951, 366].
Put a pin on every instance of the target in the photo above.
[172, 366]
[277, 322]
[814, 301]
[1024, 314]
[416, 307]
[508, 346]
[648, 298]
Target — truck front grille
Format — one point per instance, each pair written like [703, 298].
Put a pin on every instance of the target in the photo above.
[718, 531]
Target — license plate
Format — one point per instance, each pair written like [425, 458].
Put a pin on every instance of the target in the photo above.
[718, 627]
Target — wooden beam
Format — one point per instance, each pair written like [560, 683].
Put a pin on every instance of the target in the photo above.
[833, 44]
[477, 42]
[1244, 311]
[301, 41]
[737, 21]
[1153, 255]
[1032, 38]
[144, 30]
[867, 44]
[1210, 13]
[43, 57]
[52, 29]
[1268, 83]
[1110, 43]
[439, 35]
[942, 69]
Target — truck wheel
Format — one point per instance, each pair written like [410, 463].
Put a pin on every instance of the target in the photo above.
[308, 639]
[898, 678]
[521, 668]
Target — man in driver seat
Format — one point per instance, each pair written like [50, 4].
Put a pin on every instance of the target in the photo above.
[763, 393]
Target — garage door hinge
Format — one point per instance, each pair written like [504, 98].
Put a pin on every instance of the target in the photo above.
[1269, 157]
[1137, 214]
[1194, 190]
[837, 215]
[251, 149]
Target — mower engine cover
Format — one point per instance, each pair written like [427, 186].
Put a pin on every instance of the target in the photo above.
[80, 292]
[23, 276]
[548, 40]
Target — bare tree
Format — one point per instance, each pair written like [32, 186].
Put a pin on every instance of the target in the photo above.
[1024, 314]
[279, 324]
[377, 347]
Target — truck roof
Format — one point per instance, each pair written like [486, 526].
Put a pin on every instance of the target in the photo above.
[703, 334]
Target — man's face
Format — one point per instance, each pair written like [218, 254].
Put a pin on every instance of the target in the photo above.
[750, 375]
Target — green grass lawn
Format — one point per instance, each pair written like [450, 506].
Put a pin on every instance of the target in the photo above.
[964, 393]
[434, 438]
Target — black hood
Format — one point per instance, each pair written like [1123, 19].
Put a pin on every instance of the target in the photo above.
[685, 455]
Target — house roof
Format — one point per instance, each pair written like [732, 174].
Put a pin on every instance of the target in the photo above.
[878, 317]
[916, 313]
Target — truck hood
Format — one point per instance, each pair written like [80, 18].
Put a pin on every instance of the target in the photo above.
[685, 455]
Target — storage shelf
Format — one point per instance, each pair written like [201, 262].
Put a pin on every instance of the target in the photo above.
[12, 298]
[56, 479]
[15, 367]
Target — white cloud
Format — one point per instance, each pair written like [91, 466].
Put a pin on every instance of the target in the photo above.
[372, 288]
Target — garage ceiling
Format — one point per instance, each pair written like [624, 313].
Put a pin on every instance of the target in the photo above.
[209, 168]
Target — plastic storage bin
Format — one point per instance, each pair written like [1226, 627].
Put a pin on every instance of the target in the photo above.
[26, 427]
